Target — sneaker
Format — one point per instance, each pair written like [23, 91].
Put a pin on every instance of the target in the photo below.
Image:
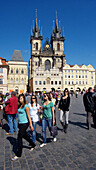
[54, 139]
[15, 158]
[43, 144]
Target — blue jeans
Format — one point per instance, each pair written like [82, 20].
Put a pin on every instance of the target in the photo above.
[45, 123]
[34, 132]
[12, 123]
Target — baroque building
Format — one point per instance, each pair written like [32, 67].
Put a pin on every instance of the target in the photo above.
[48, 68]
[17, 77]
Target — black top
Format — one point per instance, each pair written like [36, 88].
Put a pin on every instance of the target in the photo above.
[64, 104]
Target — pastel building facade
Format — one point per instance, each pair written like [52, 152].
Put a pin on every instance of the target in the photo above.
[17, 77]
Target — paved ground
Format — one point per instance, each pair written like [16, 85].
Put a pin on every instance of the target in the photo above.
[74, 150]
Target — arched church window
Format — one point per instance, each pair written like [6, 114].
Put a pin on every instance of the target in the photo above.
[47, 65]
[36, 46]
[58, 47]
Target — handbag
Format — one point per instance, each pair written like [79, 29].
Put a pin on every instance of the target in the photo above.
[53, 131]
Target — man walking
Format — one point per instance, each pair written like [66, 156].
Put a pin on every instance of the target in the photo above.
[11, 111]
[89, 105]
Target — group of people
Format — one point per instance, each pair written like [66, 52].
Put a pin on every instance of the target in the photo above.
[29, 112]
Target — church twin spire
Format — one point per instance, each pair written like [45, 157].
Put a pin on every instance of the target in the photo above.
[56, 29]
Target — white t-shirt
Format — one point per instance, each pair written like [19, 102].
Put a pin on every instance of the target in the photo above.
[34, 112]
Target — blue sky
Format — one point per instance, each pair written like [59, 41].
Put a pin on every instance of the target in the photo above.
[78, 17]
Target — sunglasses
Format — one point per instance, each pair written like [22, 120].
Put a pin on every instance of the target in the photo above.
[33, 98]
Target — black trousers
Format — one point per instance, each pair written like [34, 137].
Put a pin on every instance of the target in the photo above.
[23, 134]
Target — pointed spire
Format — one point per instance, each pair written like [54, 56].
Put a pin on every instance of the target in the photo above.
[41, 31]
[63, 31]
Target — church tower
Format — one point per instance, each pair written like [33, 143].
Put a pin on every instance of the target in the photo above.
[57, 43]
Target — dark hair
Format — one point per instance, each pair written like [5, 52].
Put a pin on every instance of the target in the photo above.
[19, 104]
[66, 89]
[35, 99]
[13, 93]
[90, 88]
[95, 88]
[47, 96]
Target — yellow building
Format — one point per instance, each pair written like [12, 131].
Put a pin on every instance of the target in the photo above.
[77, 77]
[17, 77]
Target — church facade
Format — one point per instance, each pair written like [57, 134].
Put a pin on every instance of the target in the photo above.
[48, 68]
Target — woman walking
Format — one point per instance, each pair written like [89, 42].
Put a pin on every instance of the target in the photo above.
[64, 109]
[48, 116]
[34, 114]
[23, 119]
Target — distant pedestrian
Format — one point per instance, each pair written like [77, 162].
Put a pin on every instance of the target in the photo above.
[24, 120]
[1, 111]
[11, 109]
[89, 105]
[48, 116]
[64, 109]
[34, 114]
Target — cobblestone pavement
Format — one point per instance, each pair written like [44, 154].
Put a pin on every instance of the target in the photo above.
[74, 150]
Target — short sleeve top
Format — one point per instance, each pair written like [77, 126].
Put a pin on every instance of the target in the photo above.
[34, 112]
[47, 110]
[22, 115]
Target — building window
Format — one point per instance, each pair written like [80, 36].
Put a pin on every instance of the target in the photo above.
[36, 46]
[59, 82]
[79, 82]
[65, 76]
[11, 71]
[82, 71]
[86, 76]
[17, 80]
[68, 76]
[79, 76]
[82, 76]
[1, 70]
[35, 82]
[82, 82]
[17, 71]
[72, 82]
[22, 71]
[91, 77]
[40, 82]
[22, 80]
[69, 71]
[69, 82]
[76, 82]
[86, 82]
[48, 80]
[76, 71]
[58, 47]
[76, 76]
[47, 65]
[92, 82]
[44, 82]
[65, 82]
[72, 76]
[1, 81]
[11, 81]
[72, 71]
[91, 72]
[51, 82]
[35, 63]
[65, 71]
[55, 82]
